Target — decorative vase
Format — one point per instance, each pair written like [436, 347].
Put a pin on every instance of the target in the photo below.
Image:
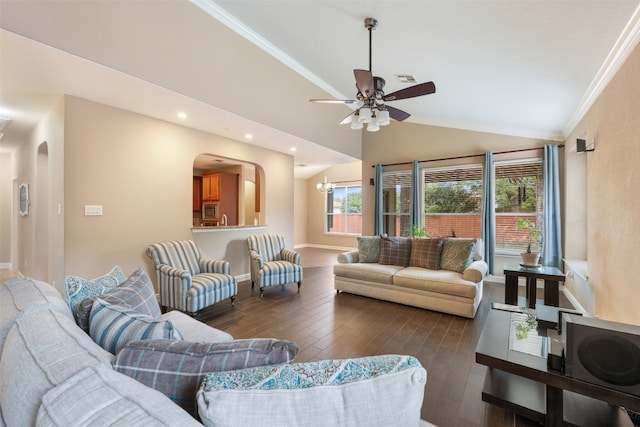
[530, 259]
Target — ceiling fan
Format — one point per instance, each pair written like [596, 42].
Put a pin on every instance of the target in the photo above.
[371, 98]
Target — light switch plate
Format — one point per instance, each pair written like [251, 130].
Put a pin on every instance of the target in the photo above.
[92, 210]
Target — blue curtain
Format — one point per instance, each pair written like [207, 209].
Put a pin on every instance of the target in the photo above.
[551, 225]
[415, 214]
[489, 213]
[378, 220]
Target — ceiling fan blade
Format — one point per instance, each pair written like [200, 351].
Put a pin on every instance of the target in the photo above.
[411, 92]
[348, 119]
[364, 82]
[397, 114]
[333, 101]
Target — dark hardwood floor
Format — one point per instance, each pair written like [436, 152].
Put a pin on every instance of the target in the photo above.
[328, 325]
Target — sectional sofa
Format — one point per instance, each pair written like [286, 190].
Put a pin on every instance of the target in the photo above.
[440, 274]
[173, 370]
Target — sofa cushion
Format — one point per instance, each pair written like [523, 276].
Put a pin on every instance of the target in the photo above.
[443, 282]
[46, 348]
[457, 254]
[326, 393]
[98, 396]
[22, 296]
[372, 272]
[368, 248]
[425, 253]
[112, 326]
[78, 288]
[176, 368]
[395, 251]
[194, 330]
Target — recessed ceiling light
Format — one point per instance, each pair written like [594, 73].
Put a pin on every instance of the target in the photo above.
[249, 136]
[293, 149]
[182, 115]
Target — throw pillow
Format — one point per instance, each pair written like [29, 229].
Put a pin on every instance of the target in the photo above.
[368, 248]
[136, 293]
[176, 368]
[457, 254]
[425, 253]
[395, 251]
[341, 392]
[77, 288]
[112, 326]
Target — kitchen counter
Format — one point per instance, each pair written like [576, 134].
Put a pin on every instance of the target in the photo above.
[209, 228]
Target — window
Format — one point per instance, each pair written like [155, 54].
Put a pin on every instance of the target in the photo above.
[518, 189]
[453, 201]
[344, 210]
[396, 194]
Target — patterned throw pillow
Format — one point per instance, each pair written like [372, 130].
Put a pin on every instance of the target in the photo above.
[176, 368]
[395, 251]
[137, 287]
[368, 248]
[341, 392]
[425, 253]
[457, 254]
[113, 326]
[78, 288]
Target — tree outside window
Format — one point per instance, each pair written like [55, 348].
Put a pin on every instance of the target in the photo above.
[344, 210]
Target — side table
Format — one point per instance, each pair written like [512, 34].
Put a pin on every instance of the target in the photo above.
[552, 277]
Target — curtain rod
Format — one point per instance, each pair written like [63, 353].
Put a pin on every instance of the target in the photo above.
[466, 157]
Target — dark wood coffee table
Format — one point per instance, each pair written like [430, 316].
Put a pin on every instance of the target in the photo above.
[520, 381]
[552, 277]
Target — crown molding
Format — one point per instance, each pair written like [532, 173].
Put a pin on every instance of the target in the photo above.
[623, 47]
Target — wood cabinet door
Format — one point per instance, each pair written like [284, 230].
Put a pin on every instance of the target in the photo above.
[211, 187]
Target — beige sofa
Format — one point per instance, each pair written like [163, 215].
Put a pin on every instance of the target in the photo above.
[452, 292]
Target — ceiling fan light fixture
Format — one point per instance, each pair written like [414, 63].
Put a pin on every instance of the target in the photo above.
[356, 124]
[383, 118]
[373, 126]
[365, 115]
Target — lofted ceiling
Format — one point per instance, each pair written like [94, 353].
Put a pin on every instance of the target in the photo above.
[527, 68]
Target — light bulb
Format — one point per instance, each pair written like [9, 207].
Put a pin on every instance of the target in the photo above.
[365, 115]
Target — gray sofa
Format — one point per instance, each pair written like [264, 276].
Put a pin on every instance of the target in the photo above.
[52, 373]
[407, 281]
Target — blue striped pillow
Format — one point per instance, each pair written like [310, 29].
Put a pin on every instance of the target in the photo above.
[112, 326]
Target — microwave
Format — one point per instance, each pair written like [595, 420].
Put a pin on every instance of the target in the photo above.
[210, 213]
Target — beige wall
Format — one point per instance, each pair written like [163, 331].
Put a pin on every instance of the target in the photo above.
[140, 170]
[6, 208]
[39, 245]
[607, 207]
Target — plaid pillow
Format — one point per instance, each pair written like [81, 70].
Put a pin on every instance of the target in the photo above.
[176, 368]
[425, 253]
[136, 293]
[395, 251]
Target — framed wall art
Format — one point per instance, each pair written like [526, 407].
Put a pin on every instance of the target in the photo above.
[23, 206]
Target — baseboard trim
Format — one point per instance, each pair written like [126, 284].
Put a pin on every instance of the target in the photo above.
[243, 277]
[330, 247]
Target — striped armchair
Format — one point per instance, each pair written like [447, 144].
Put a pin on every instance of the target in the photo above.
[188, 282]
[271, 263]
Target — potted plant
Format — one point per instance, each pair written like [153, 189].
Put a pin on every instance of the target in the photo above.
[529, 258]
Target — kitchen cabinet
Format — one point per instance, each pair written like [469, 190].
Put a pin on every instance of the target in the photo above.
[211, 187]
[222, 187]
[197, 193]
